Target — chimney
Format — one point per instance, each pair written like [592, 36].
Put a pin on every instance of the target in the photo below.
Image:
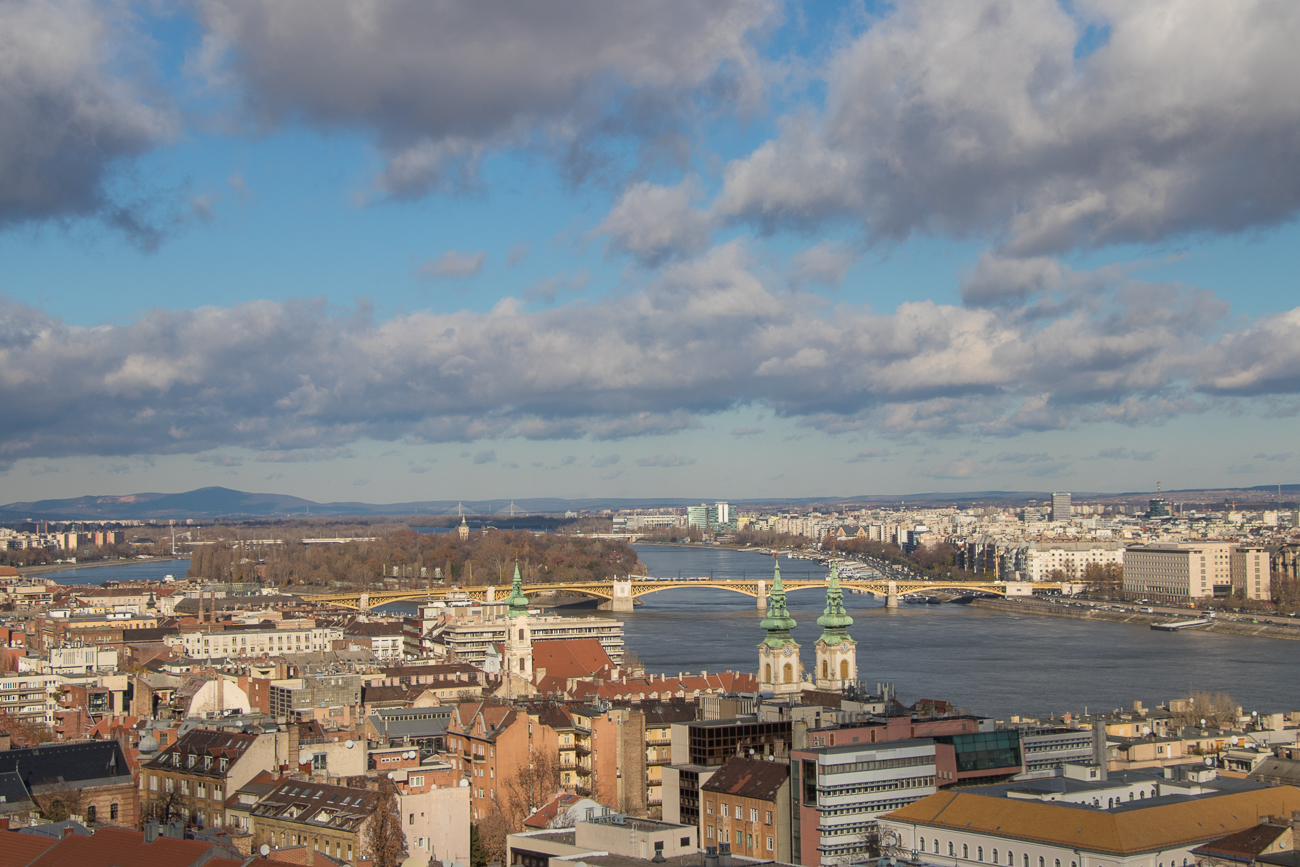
[724, 855]
[1099, 746]
[293, 745]
[151, 830]
[711, 856]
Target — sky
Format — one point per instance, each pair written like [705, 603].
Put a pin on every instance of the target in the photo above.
[396, 251]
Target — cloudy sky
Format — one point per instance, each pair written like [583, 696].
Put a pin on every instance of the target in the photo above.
[403, 250]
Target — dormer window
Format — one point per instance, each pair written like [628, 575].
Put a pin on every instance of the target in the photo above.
[207, 763]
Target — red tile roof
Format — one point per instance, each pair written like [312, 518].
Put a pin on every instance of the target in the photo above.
[19, 850]
[111, 847]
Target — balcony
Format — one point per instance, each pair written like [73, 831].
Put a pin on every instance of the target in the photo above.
[583, 771]
[659, 742]
[584, 791]
[582, 749]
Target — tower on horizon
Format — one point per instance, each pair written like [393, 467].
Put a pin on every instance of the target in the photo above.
[1061, 508]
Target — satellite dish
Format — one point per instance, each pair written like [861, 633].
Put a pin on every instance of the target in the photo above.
[464, 784]
[1146, 730]
[1209, 761]
[446, 864]
[1233, 740]
[265, 850]
[349, 744]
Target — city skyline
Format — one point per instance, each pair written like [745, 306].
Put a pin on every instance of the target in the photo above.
[748, 248]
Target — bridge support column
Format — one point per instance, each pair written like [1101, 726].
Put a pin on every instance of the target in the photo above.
[891, 597]
[622, 599]
[491, 594]
[762, 595]
[363, 604]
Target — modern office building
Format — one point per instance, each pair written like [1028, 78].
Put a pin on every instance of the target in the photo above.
[1061, 510]
[1178, 572]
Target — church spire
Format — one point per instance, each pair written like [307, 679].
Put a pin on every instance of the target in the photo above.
[517, 601]
[778, 621]
[836, 620]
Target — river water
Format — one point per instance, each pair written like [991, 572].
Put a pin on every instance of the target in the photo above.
[119, 570]
[991, 662]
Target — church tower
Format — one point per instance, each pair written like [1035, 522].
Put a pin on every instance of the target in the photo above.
[518, 659]
[837, 654]
[780, 670]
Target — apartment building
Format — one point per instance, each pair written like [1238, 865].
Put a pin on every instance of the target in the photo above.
[190, 780]
[747, 805]
[31, 697]
[217, 641]
[488, 744]
[840, 791]
[333, 820]
[1183, 571]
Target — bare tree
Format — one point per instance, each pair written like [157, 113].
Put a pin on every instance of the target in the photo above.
[1218, 710]
[532, 787]
[385, 839]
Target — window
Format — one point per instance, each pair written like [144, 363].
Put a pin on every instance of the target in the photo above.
[949, 847]
[112, 811]
[770, 847]
[753, 815]
[739, 837]
[768, 818]
[709, 829]
[738, 811]
[411, 821]
[995, 856]
[980, 852]
[709, 807]
[965, 852]
[922, 844]
[686, 841]
[90, 813]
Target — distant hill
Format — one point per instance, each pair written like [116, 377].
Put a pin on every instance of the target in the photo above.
[217, 503]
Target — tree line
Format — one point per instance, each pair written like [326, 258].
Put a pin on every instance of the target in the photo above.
[406, 558]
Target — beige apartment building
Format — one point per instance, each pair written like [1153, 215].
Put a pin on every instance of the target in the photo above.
[1185, 571]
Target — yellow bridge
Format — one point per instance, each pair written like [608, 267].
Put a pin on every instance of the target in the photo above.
[623, 593]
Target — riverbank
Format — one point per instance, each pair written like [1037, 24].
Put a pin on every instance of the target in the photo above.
[1219, 627]
[96, 564]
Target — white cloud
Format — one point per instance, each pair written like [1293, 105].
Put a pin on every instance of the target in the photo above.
[655, 223]
[298, 381]
[975, 117]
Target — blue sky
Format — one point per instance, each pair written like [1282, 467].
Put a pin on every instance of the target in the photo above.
[744, 248]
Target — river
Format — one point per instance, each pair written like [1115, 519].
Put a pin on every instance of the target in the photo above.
[991, 662]
[118, 570]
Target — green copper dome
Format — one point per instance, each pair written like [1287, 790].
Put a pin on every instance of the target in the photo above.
[517, 601]
[835, 621]
[778, 621]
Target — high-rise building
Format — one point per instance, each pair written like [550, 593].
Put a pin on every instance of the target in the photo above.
[1061, 506]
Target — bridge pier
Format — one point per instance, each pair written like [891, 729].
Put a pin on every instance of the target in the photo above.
[363, 604]
[762, 595]
[891, 596]
[491, 594]
[622, 599]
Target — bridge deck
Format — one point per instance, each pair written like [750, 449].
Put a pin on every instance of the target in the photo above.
[642, 586]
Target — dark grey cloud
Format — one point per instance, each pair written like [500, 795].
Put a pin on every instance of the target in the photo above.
[452, 264]
[440, 84]
[299, 380]
[976, 117]
[70, 120]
